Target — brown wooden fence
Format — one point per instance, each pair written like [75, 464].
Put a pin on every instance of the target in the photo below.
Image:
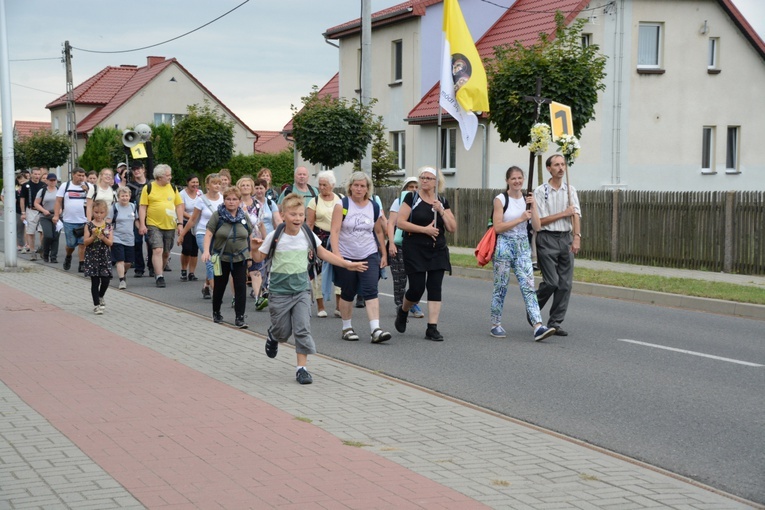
[714, 231]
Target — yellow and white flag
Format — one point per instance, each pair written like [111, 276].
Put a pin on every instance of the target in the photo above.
[463, 78]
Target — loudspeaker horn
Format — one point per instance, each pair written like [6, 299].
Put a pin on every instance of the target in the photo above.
[130, 138]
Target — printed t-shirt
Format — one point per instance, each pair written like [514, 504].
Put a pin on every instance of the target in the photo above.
[289, 267]
[161, 203]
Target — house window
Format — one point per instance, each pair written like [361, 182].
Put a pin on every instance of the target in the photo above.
[649, 46]
[714, 51]
[731, 150]
[171, 119]
[707, 149]
[449, 149]
[586, 38]
[399, 147]
[397, 61]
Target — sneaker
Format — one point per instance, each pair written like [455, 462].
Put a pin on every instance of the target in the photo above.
[67, 262]
[261, 303]
[432, 333]
[123, 285]
[360, 302]
[151, 273]
[217, 317]
[138, 274]
[543, 332]
[239, 322]
[167, 267]
[416, 312]
[321, 314]
[193, 277]
[379, 336]
[98, 310]
[46, 258]
[338, 314]
[272, 345]
[38, 250]
[101, 302]
[303, 377]
[25, 249]
[206, 293]
[161, 282]
[559, 331]
[498, 332]
[401, 320]
[81, 267]
[350, 335]
[184, 277]
[53, 260]
[33, 257]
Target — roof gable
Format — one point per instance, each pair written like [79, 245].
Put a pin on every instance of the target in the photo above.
[404, 10]
[23, 129]
[271, 142]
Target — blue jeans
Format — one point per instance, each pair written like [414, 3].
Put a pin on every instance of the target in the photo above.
[208, 264]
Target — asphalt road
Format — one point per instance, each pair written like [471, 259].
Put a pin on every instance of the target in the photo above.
[697, 410]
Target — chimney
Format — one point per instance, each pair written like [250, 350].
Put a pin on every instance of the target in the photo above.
[152, 61]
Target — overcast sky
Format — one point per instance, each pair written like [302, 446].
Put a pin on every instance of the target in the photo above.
[258, 60]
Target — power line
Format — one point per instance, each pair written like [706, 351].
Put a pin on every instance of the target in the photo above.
[38, 90]
[169, 40]
[32, 59]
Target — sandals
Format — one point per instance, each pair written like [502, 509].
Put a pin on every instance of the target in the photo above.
[350, 335]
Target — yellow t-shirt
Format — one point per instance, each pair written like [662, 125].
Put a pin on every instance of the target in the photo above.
[161, 203]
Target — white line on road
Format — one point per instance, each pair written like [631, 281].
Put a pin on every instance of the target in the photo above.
[701, 354]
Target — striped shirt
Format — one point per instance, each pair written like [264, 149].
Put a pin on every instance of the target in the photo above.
[551, 201]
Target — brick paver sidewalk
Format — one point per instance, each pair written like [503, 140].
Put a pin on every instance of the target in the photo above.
[161, 408]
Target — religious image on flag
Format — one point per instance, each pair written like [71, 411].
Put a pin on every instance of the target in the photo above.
[463, 78]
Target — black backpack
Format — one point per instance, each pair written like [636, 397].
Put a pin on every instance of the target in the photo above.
[314, 262]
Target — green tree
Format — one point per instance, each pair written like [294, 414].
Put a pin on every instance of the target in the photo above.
[162, 146]
[19, 157]
[202, 141]
[103, 149]
[45, 148]
[384, 161]
[330, 131]
[571, 74]
[281, 166]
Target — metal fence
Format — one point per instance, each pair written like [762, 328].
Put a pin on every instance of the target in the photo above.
[714, 231]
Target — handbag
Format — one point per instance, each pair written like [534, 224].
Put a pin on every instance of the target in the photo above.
[484, 252]
[78, 231]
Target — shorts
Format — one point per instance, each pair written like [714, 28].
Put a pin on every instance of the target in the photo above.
[33, 219]
[158, 238]
[122, 253]
[255, 266]
[364, 284]
[71, 240]
[189, 245]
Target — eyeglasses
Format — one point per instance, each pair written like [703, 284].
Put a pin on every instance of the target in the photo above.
[427, 179]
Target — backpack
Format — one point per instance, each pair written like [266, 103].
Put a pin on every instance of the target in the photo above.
[288, 189]
[490, 223]
[247, 226]
[66, 188]
[375, 207]
[314, 262]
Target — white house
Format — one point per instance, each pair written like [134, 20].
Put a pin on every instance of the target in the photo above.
[682, 109]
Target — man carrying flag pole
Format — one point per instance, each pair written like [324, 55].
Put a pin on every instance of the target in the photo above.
[463, 78]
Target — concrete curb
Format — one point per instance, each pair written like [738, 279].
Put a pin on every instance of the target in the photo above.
[707, 305]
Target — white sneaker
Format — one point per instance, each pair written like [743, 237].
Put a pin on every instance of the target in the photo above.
[123, 285]
[98, 310]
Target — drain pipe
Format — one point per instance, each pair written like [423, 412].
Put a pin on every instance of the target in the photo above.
[484, 162]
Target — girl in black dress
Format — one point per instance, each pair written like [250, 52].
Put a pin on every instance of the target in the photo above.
[98, 240]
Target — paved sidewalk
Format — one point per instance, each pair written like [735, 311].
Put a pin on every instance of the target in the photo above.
[160, 408]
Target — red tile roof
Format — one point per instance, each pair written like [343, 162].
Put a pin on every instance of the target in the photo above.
[522, 22]
[331, 88]
[112, 87]
[409, 9]
[23, 129]
[271, 142]
[743, 25]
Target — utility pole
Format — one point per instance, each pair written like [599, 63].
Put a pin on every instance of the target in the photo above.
[9, 207]
[366, 73]
[71, 121]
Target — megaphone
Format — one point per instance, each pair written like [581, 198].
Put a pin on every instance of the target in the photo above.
[130, 138]
[144, 131]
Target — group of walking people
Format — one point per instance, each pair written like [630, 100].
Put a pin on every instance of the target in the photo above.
[311, 244]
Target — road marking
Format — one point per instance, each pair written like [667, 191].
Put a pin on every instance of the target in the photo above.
[701, 354]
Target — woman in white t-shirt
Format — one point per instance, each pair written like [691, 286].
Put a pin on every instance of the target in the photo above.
[513, 253]
[204, 206]
[189, 248]
[318, 216]
[104, 189]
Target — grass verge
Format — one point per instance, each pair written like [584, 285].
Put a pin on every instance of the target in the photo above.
[682, 286]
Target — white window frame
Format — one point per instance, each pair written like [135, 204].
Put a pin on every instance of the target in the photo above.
[586, 40]
[398, 145]
[713, 53]
[659, 35]
[732, 148]
[171, 119]
[708, 138]
[449, 149]
[397, 61]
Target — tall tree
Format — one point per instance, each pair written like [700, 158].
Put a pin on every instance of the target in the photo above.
[331, 131]
[103, 149]
[571, 74]
[45, 148]
[202, 141]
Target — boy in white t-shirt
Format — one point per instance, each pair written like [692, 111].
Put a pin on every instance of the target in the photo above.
[290, 286]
